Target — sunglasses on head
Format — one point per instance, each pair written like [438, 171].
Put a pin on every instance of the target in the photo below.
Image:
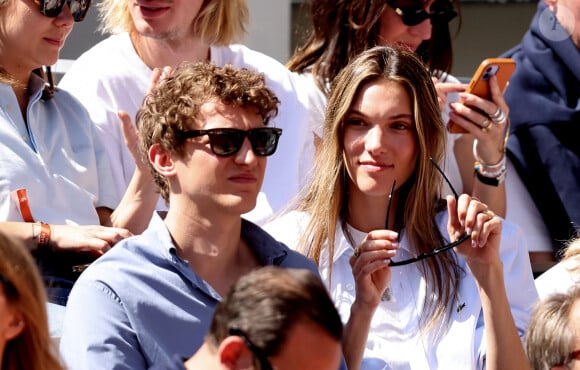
[52, 8]
[412, 15]
[226, 142]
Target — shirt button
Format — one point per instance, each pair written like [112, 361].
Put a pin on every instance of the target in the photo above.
[10, 107]
[349, 287]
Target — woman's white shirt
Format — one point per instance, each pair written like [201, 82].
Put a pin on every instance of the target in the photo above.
[394, 341]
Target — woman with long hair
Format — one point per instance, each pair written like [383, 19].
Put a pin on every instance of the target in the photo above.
[342, 29]
[420, 282]
[24, 339]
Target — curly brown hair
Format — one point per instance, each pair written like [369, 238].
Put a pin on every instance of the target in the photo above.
[174, 105]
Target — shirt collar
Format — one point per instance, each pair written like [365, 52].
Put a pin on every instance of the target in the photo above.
[268, 250]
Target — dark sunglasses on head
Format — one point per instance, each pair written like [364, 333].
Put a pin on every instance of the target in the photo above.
[52, 8]
[225, 142]
[258, 352]
[435, 252]
[442, 12]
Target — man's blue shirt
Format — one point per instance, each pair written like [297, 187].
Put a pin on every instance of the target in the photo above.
[140, 304]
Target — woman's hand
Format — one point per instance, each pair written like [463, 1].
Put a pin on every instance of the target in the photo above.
[444, 88]
[130, 132]
[93, 238]
[486, 120]
[370, 266]
[469, 215]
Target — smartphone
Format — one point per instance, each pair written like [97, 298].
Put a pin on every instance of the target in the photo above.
[502, 68]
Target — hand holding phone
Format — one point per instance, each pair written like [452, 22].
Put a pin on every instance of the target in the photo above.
[502, 68]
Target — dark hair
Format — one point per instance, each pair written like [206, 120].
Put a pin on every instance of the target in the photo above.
[342, 29]
[266, 303]
[174, 105]
[550, 336]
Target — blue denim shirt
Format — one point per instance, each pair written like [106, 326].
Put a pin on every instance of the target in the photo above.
[140, 304]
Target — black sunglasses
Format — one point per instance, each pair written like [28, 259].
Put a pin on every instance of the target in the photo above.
[225, 142]
[52, 8]
[435, 252]
[412, 15]
[258, 352]
[9, 288]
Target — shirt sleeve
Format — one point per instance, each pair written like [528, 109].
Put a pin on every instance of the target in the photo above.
[97, 333]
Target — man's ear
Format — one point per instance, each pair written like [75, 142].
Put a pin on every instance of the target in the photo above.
[161, 160]
[234, 354]
[15, 326]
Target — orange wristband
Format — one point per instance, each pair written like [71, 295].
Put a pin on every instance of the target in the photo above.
[44, 236]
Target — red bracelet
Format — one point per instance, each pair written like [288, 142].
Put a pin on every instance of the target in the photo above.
[44, 236]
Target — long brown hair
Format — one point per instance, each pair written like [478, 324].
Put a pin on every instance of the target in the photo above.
[32, 348]
[327, 198]
[342, 29]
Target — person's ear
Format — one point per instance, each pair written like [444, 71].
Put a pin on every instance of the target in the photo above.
[161, 160]
[234, 354]
[15, 326]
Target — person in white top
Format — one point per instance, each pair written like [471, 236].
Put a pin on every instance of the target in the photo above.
[564, 275]
[55, 180]
[553, 337]
[114, 74]
[345, 29]
[419, 283]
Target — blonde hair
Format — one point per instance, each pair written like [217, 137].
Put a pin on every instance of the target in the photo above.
[218, 22]
[327, 197]
[32, 348]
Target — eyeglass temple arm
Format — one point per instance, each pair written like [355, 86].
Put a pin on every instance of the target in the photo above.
[444, 177]
[389, 204]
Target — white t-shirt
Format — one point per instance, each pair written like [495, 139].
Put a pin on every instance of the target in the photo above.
[111, 77]
[56, 156]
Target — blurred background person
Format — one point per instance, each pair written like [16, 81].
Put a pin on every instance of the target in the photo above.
[553, 336]
[273, 318]
[25, 343]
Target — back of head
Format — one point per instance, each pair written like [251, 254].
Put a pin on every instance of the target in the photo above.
[174, 104]
[24, 291]
[266, 303]
[217, 23]
[552, 334]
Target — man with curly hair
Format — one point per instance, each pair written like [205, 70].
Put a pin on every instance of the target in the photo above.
[114, 75]
[204, 132]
